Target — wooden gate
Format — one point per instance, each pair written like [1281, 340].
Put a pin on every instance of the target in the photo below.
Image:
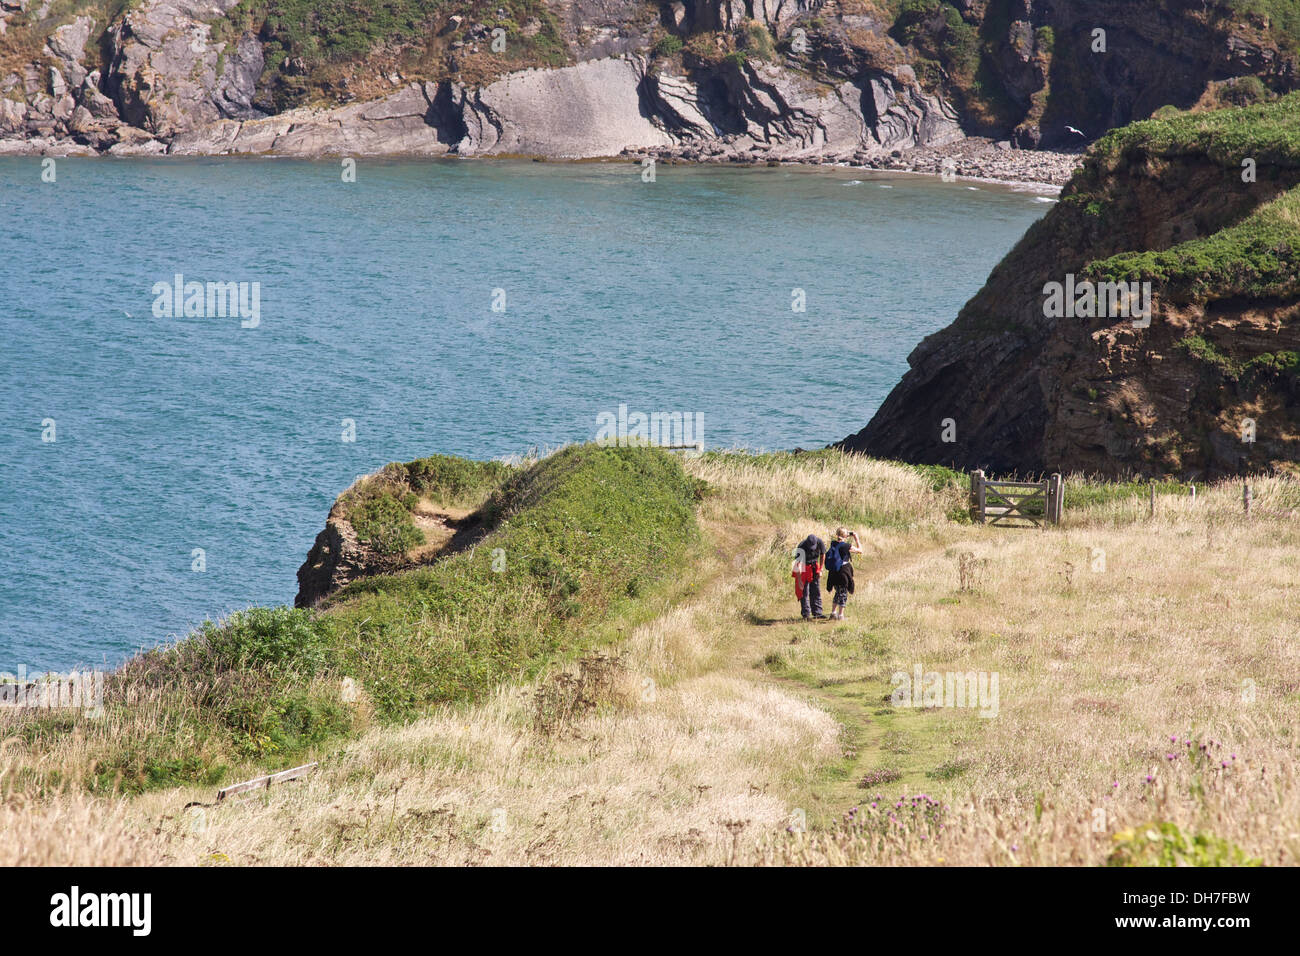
[1016, 503]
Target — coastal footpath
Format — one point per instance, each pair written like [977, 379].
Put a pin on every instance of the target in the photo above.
[878, 83]
[616, 673]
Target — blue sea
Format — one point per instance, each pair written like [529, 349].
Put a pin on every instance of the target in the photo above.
[376, 307]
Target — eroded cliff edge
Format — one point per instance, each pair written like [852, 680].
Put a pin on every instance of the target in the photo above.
[1206, 208]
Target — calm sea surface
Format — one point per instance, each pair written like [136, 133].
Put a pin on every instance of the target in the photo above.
[175, 434]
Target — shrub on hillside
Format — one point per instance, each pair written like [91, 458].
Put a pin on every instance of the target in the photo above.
[384, 523]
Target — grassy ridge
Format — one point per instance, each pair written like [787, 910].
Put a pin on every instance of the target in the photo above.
[1266, 132]
[572, 536]
[380, 508]
[1258, 256]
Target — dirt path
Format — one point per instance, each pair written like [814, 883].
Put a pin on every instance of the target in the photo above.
[770, 643]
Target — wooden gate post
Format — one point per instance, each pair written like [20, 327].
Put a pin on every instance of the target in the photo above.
[1056, 498]
[1246, 498]
[977, 496]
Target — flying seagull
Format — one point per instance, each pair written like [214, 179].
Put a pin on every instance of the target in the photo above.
[1076, 132]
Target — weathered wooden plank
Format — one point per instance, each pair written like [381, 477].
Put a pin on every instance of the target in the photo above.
[266, 780]
[292, 774]
[1010, 498]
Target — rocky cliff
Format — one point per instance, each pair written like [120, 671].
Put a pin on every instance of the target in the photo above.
[401, 517]
[813, 79]
[1202, 208]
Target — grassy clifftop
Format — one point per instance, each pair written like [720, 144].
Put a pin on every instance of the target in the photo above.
[570, 539]
[1144, 662]
[1258, 255]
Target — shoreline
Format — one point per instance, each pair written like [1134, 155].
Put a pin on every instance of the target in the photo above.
[973, 159]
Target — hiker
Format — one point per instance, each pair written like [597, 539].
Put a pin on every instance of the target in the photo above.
[839, 569]
[808, 573]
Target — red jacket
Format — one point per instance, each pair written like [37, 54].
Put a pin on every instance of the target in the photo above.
[803, 575]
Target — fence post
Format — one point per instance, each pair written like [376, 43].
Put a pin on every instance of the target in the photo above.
[1193, 494]
[977, 496]
[1153, 497]
[1057, 498]
[1246, 498]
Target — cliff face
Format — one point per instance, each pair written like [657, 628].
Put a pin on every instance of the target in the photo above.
[1209, 388]
[832, 79]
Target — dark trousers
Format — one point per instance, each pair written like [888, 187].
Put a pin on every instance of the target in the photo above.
[811, 602]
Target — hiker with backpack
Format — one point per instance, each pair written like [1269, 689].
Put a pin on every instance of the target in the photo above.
[839, 570]
[807, 576]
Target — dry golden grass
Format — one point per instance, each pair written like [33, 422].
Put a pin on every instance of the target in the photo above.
[673, 769]
[1110, 635]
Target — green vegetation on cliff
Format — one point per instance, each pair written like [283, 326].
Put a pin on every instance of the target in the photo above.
[1258, 256]
[572, 535]
[311, 47]
[1269, 133]
[571, 540]
[1281, 18]
[380, 508]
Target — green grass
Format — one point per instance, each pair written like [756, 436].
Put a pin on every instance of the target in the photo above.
[583, 534]
[1258, 257]
[380, 507]
[383, 522]
[1263, 370]
[577, 533]
[886, 751]
[1267, 132]
[331, 33]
